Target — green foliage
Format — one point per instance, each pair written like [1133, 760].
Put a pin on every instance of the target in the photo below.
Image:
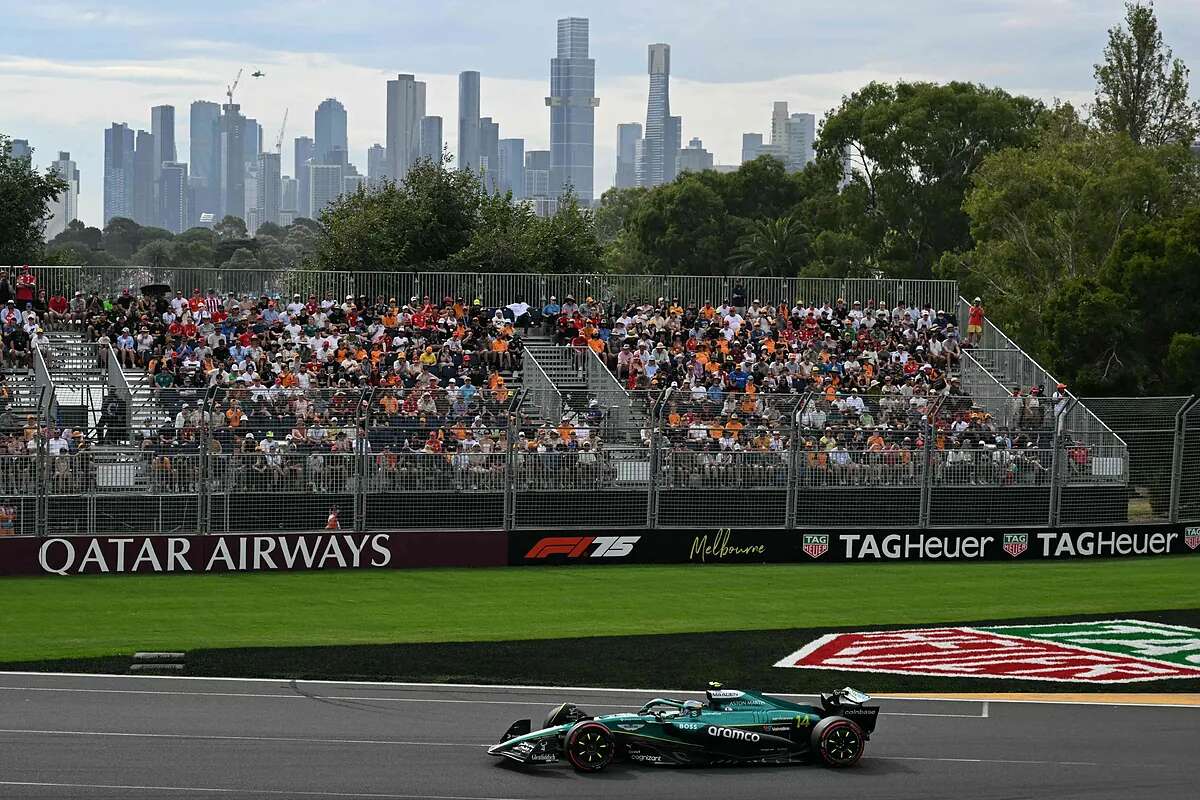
[25, 195]
[421, 222]
[913, 148]
[1053, 213]
[442, 219]
[230, 228]
[776, 247]
[1141, 88]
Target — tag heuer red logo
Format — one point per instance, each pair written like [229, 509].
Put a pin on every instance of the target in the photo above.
[1016, 543]
[1191, 537]
[816, 544]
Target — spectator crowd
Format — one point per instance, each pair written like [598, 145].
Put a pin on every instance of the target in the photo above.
[295, 387]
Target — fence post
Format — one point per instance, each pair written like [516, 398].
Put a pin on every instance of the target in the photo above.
[655, 438]
[1177, 451]
[1056, 463]
[923, 514]
[793, 494]
[203, 469]
[510, 473]
[362, 458]
[41, 477]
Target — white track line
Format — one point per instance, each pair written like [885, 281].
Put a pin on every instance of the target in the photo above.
[244, 695]
[989, 761]
[220, 738]
[269, 792]
[372, 699]
[590, 689]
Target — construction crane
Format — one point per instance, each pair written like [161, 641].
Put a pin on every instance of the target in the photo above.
[229, 90]
[279, 138]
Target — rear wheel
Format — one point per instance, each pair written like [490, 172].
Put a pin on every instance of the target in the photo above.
[590, 746]
[838, 742]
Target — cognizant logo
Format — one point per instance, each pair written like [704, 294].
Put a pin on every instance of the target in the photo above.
[578, 546]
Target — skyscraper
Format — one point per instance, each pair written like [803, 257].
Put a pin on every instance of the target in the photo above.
[801, 137]
[162, 128]
[329, 123]
[232, 154]
[431, 139]
[468, 121]
[628, 134]
[511, 169]
[66, 207]
[145, 205]
[572, 103]
[353, 182]
[21, 149]
[173, 196]
[752, 144]
[118, 171]
[405, 108]
[304, 154]
[537, 181]
[489, 154]
[376, 165]
[324, 186]
[779, 120]
[656, 148]
[202, 137]
[673, 143]
[270, 188]
[290, 200]
[793, 138]
[693, 158]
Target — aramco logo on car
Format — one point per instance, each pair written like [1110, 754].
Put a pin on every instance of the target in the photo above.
[1103, 651]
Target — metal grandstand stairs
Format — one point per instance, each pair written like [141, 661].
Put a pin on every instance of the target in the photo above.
[79, 380]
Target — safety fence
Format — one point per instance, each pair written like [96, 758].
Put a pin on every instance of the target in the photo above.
[259, 459]
[495, 288]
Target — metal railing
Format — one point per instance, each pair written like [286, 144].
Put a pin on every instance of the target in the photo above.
[1005, 363]
[495, 289]
[252, 459]
[540, 391]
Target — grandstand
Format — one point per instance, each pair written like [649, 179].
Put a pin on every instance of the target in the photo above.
[182, 401]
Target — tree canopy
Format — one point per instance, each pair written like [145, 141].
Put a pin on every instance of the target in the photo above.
[1141, 88]
[25, 195]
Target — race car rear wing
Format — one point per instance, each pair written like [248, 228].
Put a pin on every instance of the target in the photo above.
[852, 705]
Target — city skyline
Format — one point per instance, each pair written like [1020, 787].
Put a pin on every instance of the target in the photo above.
[721, 91]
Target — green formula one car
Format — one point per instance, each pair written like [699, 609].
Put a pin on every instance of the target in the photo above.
[730, 727]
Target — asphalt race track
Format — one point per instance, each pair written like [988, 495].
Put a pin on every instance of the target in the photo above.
[113, 737]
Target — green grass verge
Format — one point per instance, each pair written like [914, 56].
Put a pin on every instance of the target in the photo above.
[87, 617]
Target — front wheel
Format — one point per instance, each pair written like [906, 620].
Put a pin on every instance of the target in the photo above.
[590, 746]
[838, 742]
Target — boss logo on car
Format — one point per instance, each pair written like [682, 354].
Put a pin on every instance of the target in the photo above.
[577, 546]
[732, 733]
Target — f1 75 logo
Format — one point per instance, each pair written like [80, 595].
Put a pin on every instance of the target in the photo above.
[577, 546]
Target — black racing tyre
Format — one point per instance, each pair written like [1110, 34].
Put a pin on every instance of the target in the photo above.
[590, 746]
[838, 742]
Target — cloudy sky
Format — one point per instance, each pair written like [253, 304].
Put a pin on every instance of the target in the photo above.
[68, 68]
